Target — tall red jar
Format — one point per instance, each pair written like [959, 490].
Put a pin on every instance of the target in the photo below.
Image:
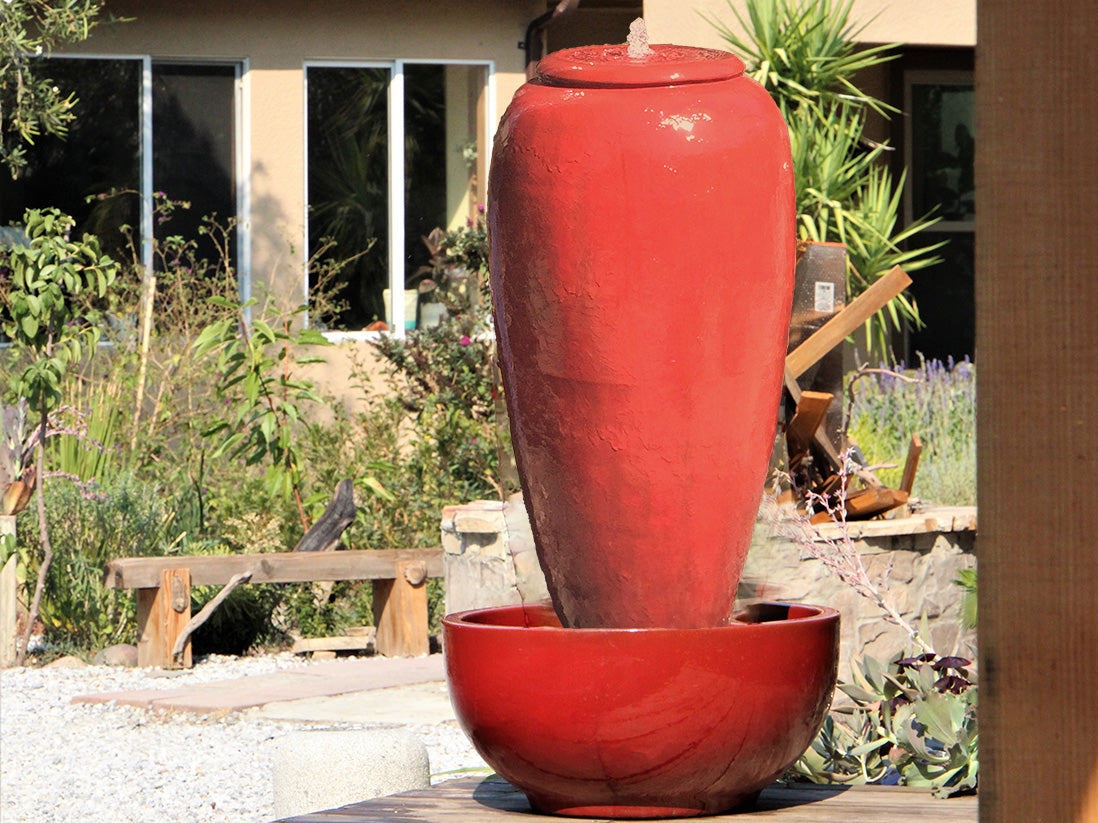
[642, 251]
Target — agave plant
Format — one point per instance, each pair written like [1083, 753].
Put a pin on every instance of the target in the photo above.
[17, 472]
[912, 721]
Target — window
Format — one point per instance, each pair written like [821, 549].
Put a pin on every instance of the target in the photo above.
[394, 151]
[941, 142]
[141, 126]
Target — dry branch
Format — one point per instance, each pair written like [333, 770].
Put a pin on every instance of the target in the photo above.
[207, 610]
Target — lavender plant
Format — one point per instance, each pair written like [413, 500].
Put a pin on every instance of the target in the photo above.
[936, 401]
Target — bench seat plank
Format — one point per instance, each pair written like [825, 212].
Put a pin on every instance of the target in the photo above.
[277, 567]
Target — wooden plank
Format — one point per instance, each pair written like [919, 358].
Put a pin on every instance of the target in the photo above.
[162, 612]
[799, 434]
[846, 322]
[911, 464]
[356, 642]
[939, 519]
[869, 502]
[823, 443]
[1037, 344]
[479, 800]
[9, 612]
[280, 567]
[400, 612]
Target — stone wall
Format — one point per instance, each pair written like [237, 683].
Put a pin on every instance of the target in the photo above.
[489, 556]
[919, 557]
[490, 561]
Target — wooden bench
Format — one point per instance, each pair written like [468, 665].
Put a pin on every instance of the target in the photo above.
[164, 591]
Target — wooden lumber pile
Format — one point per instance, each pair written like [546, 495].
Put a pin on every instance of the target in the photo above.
[814, 463]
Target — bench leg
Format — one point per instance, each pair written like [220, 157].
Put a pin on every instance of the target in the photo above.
[161, 615]
[9, 612]
[400, 612]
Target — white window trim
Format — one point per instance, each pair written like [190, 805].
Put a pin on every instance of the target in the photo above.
[396, 171]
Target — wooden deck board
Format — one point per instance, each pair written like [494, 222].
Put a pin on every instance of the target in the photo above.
[478, 800]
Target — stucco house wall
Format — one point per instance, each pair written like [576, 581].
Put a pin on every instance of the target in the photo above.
[914, 22]
[277, 39]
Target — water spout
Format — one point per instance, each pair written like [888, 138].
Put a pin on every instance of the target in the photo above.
[638, 40]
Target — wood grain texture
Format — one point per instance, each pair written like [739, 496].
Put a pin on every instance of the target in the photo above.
[158, 623]
[476, 800]
[400, 612]
[1037, 350]
[280, 567]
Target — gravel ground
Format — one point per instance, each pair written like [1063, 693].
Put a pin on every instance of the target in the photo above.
[61, 762]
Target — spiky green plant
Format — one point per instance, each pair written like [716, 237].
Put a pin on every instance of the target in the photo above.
[804, 52]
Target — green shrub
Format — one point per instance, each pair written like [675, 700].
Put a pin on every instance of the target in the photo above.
[911, 721]
[135, 419]
[89, 526]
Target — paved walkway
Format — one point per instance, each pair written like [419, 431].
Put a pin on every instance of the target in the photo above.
[399, 690]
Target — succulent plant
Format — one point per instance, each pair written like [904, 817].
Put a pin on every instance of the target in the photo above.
[17, 472]
[912, 721]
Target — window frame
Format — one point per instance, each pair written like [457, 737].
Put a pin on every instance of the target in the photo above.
[145, 160]
[929, 77]
[914, 76]
[395, 112]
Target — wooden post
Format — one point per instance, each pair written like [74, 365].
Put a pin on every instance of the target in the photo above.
[9, 601]
[1037, 349]
[161, 615]
[400, 612]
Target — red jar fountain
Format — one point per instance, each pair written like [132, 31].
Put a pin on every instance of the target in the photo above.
[642, 236]
[642, 252]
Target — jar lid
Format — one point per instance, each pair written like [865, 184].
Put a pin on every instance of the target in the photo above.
[612, 67]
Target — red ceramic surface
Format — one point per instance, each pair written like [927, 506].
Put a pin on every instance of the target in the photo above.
[641, 722]
[642, 253]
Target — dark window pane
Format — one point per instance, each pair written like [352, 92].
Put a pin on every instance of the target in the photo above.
[943, 148]
[100, 155]
[424, 161]
[945, 294]
[348, 176]
[194, 113]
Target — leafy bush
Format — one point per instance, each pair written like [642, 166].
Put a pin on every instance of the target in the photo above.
[88, 527]
[199, 434]
[936, 401]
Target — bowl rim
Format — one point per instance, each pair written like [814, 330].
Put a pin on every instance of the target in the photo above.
[769, 610]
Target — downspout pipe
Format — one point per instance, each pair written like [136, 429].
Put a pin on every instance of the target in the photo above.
[533, 45]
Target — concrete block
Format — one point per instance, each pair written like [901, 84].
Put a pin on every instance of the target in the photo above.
[323, 769]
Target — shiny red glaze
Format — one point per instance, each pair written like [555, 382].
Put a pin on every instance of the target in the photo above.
[641, 722]
[642, 253]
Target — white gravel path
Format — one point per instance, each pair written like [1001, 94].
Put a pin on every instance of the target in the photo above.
[61, 763]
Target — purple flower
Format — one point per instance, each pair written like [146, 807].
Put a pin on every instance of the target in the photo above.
[465, 340]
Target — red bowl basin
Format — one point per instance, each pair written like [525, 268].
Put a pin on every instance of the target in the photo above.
[641, 723]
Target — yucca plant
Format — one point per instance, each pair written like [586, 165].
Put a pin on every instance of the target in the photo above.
[804, 51]
[805, 54]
